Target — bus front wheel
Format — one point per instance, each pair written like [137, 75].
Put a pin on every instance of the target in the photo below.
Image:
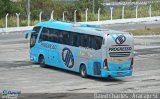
[42, 62]
[83, 71]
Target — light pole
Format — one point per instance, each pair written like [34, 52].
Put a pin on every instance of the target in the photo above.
[75, 15]
[111, 8]
[7, 20]
[40, 16]
[17, 14]
[99, 13]
[123, 12]
[86, 11]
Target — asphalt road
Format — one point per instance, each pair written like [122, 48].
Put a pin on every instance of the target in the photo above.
[17, 73]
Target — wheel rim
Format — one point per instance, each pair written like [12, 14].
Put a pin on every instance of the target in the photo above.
[83, 72]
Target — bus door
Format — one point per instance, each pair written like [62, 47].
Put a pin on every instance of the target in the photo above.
[33, 44]
[44, 45]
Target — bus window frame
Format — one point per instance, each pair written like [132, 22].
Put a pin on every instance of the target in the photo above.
[70, 34]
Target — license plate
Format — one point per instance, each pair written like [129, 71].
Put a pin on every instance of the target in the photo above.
[119, 73]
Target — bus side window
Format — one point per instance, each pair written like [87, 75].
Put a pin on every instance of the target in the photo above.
[65, 37]
[60, 37]
[74, 39]
[96, 43]
[99, 42]
[90, 41]
[53, 36]
[84, 40]
[44, 35]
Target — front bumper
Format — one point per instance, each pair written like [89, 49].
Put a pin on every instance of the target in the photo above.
[33, 58]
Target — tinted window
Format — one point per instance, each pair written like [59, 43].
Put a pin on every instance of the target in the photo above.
[44, 34]
[69, 38]
[34, 36]
[60, 37]
[64, 37]
[84, 40]
[53, 35]
[96, 42]
[74, 39]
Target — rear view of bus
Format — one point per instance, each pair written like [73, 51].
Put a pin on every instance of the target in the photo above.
[118, 59]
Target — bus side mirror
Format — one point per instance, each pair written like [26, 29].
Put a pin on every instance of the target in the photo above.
[26, 35]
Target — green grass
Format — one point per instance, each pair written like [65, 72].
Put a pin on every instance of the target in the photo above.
[12, 22]
[145, 31]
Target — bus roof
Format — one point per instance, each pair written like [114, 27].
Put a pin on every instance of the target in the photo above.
[80, 28]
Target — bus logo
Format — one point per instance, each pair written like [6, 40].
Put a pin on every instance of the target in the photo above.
[67, 57]
[120, 39]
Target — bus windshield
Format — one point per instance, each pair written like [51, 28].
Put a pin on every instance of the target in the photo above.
[34, 36]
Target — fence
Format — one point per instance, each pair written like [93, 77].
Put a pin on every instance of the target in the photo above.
[111, 12]
[142, 2]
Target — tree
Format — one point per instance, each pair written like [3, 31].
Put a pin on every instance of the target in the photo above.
[7, 6]
[133, 0]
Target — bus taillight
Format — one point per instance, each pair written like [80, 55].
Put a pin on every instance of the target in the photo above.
[105, 64]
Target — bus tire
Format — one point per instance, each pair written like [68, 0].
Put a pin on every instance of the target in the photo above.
[83, 71]
[41, 61]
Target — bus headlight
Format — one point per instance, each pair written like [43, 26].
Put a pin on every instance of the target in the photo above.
[32, 58]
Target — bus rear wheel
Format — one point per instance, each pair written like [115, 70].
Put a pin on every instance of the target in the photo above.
[83, 71]
[42, 62]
